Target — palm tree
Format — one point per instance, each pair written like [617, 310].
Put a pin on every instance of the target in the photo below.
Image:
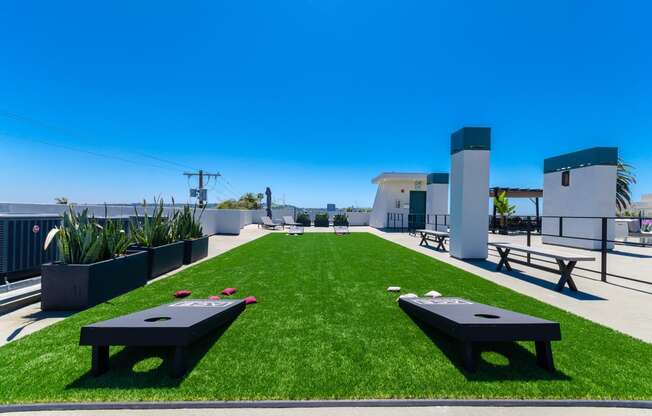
[625, 178]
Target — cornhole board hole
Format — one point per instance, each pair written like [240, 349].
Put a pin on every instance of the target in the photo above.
[295, 230]
[341, 230]
[177, 325]
[471, 322]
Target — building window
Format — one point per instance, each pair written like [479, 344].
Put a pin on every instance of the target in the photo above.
[398, 204]
[565, 178]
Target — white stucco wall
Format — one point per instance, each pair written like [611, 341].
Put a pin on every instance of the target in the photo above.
[437, 204]
[387, 196]
[469, 204]
[591, 193]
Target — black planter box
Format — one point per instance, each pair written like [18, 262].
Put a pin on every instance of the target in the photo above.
[163, 259]
[80, 286]
[195, 249]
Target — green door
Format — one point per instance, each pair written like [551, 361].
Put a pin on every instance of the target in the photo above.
[417, 216]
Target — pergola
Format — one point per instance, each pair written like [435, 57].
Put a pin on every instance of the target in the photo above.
[533, 194]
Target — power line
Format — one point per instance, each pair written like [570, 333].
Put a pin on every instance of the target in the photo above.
[71, 133]
[88, 152]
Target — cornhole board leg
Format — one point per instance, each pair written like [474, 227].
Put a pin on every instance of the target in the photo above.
[179, 364]
[470, 363]
[99, 359]
[544, 355]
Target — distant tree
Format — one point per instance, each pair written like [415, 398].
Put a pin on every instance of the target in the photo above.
[249, 201]
[246, 201]
[61, 200]
[624, 180]
[228, 204]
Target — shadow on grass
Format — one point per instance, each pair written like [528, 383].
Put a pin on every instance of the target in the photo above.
[124, 372]
[579, 295]
[521, 364]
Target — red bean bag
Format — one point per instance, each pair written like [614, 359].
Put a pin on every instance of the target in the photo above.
[214, 297]
[229, 291]
[250, 299]
[182, 293]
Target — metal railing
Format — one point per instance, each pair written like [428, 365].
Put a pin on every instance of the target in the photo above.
[534, 226]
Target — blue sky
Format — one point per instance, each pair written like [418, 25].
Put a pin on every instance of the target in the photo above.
[311, 98]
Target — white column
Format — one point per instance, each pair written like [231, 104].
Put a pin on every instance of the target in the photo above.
[469, 182]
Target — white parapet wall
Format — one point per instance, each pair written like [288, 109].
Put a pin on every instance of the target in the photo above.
[469, 206]
[437, 201]
[580, 184]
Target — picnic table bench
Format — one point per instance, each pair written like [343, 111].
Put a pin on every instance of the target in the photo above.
[177, 325]
[565, 261]
[438, 237]
[472, 323]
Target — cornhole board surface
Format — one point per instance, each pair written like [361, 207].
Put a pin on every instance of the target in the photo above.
[177, 325]
[471, 322]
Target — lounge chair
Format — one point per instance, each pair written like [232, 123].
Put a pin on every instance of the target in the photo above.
[267, 223]
[288, 220]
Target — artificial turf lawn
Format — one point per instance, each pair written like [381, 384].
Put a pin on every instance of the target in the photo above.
[325, 328]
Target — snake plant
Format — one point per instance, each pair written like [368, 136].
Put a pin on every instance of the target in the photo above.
[81, 240]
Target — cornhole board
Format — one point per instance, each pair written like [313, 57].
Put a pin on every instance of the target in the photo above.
[471, 322]
[295, 230]
[177, 325]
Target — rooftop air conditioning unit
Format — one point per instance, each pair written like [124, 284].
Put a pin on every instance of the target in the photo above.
[21, 243]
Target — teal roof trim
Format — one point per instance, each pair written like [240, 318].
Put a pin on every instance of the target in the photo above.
[471, 138]
[437, 178]
[595, 156]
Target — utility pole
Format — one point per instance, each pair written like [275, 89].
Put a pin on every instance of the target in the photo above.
[201, 193]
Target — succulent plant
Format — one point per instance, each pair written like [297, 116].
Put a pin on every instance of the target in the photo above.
[81, 240]
[154, 230]
[185, 225]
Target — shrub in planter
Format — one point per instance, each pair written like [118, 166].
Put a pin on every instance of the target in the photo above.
[155, 236]
[340, 220]
[303, 219]
[321, 220]
[187, 227]
[94, 265]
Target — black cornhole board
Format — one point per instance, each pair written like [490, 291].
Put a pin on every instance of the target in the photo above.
[177, 325]
[472, 322]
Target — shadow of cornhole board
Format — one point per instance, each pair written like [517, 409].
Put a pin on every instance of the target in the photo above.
[177, 325]
[471, 322]
[295, 230]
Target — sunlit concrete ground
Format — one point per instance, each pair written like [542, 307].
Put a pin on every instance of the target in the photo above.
[24, 321]
[365, 411]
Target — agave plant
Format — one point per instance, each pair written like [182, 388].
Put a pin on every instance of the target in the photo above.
[81, 240]
[185, 225]
[152, 231]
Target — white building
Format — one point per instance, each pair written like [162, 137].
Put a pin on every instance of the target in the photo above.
[644, 205]
[579, 187]
[403, 197]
